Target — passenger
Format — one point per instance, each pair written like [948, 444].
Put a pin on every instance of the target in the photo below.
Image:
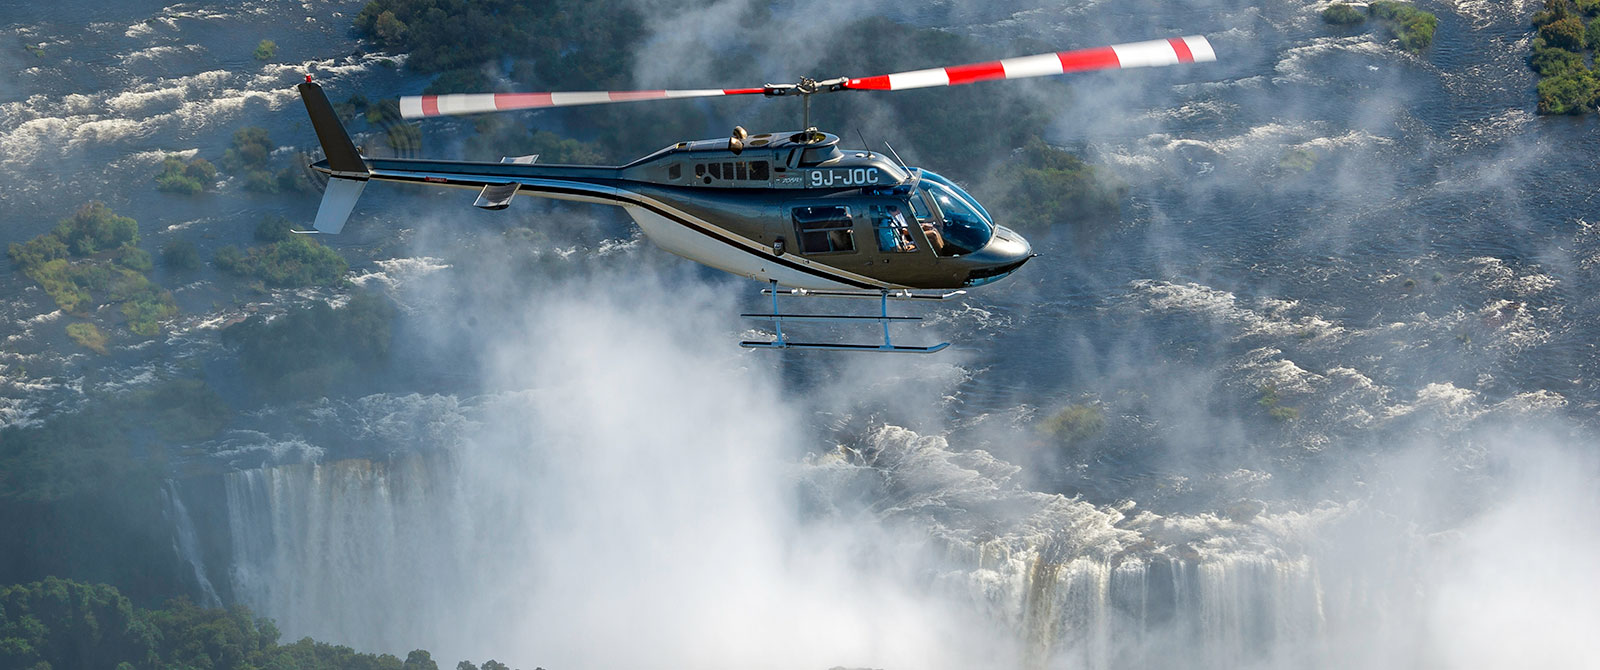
[901, 230]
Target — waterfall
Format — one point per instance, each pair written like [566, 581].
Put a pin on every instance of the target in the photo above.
[382, 554]
[337, 550]
[186, 542]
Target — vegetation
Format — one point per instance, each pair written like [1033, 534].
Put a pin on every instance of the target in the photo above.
[251, 157]
[349, 339]
[144, 304]
[180, 254]
[57, 623]
[88, 336]
[179, 410]
[563, 44]
[1074, 424]
[94, 228]
[405, 138]
[1341, 14]
[1269, 400]
[1412, 26]
[1041, 185]
[186, 178]
[108, 443]
[273, 228]
[291, 262]
[1566, 33]
[266, 49]
[95, 252]
[1550, 62]
[1298, 159]
[502, 136]
[67, 455]
[1561, 52]
[1573, 92]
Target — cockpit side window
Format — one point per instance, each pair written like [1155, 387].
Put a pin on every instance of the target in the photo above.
[823, 230]
[963, 229]
[892, 230]
[920, 208]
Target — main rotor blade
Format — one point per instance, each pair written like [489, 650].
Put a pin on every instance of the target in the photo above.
[1193, 49]
[417, 106]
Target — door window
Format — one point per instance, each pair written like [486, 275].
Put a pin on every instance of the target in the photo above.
[823, 230]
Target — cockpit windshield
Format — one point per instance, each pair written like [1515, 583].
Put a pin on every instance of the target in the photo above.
[967, 226]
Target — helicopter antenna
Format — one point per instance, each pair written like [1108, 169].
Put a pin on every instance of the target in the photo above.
[896, 156]
[863, 137]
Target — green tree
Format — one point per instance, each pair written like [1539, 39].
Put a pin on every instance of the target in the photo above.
[420, 660]
[351, 338]
[266, 49]
[38, 251]
[57, 623]
[180, 254]
[1552, 62]
[1567, 33]
[1341, 14]
[294, 261]
[1413, 27]
[389, 29]
[250, 153]
[134, 258]
[1571, 93]
[69, 625]
[185, 178]
[1554, 10]
[273, 228]
[95, 227]
[1041, 185]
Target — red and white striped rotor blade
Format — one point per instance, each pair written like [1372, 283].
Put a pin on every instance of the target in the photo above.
[1193, 49]
[417, 106]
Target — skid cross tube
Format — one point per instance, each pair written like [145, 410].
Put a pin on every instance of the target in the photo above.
[777, 317]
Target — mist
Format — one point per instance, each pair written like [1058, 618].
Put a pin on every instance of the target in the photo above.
[1338, 345]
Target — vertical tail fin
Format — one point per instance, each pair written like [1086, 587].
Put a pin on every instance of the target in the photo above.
[342, 154]
[348, 167]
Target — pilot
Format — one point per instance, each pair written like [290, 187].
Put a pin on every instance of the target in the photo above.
[935, 238]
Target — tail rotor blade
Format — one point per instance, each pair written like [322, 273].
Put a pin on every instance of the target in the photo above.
[1192, 49]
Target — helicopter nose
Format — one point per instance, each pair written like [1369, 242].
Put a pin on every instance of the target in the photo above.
[1004, 253]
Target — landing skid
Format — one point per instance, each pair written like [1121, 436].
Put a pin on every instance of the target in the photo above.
[883, 296]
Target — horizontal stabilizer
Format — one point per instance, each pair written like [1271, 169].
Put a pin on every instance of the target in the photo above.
[337, 203]
[496, 197]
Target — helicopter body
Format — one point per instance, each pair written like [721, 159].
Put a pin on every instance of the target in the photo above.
[792, 209]
[805, 214]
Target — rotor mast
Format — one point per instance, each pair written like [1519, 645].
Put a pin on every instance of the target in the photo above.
[805, 88]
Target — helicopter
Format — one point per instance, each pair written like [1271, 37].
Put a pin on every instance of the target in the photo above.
[790, 208]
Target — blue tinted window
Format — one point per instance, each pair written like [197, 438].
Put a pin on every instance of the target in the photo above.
[966, 226]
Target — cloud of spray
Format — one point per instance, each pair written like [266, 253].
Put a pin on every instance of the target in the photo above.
[661, 528]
